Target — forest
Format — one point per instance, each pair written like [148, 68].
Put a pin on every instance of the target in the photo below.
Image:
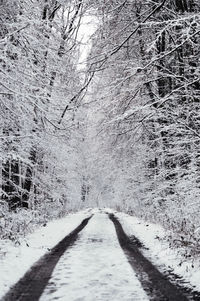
[108, 122]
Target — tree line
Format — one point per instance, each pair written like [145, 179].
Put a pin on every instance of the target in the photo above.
[147, 89]
[39, 80]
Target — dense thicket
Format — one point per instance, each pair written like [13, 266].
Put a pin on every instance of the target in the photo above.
[39, 131]
[147, 110]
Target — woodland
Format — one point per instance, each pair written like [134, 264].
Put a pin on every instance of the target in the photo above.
[118, 129]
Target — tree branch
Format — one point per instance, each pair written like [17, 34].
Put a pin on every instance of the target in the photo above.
[76, 97]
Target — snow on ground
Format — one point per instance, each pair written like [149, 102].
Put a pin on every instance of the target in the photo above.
[94, 268]
[16, 260]
[153, 237]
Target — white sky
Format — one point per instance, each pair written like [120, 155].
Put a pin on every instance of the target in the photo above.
[88, 26]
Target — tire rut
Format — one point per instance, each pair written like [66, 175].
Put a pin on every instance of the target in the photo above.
[31, 286]
[157, 286]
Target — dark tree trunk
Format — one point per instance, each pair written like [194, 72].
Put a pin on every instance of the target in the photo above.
[10, 187]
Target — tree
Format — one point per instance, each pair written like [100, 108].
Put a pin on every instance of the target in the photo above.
[39, 50]
[147, 91]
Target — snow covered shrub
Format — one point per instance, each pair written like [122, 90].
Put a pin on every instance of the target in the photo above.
[16, 224]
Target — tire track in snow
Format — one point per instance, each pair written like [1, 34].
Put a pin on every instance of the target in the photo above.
[156, 285]
[95, 268]
[32, 285]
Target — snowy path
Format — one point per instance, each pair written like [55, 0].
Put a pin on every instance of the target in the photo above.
[97, 261]
[95, 268]
[33, 283]
[156, 284]
[16, 260]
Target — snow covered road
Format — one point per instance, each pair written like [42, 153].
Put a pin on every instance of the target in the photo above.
[97, 261]
[95, 268]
